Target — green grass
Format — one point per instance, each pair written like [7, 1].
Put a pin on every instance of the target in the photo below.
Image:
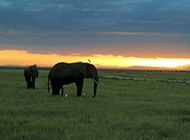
[122, 109]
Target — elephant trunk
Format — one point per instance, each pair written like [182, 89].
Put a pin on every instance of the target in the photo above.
[95, 88]
[95, 78]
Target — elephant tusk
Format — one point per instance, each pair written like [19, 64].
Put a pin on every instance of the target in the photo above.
[98, 82]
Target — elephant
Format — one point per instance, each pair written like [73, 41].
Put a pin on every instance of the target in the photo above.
[67, 73]
[31, 74]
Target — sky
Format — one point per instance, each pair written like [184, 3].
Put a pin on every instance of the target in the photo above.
[112, 33]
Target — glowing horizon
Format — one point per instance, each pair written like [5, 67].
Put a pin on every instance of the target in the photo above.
[23, 58]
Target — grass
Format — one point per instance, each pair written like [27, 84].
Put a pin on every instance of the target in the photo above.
[122, 109]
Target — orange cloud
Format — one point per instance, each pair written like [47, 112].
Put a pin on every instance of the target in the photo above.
[75, 54]
[23, 58]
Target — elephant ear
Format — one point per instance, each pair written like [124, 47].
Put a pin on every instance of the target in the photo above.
[83, 69]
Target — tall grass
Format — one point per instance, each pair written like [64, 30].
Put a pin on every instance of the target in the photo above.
[122, 109]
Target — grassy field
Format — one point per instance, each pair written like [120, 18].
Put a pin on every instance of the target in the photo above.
[122, 109]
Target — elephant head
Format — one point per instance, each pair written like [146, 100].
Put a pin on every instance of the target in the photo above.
[33, 72]
[90, 71]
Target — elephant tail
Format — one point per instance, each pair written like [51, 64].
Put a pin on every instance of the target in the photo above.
[48, 84]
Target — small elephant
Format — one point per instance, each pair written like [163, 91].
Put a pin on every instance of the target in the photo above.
[66, 73]
[31, 74]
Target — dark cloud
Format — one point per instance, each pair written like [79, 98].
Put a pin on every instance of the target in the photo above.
[70, 25]
[95, 13]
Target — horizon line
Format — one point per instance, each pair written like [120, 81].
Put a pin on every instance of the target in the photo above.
[182, 68]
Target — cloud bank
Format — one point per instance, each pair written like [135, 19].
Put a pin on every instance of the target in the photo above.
[142, 28]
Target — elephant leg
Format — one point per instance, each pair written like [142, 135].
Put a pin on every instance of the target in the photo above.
[79, 88]
[33, 85]
[55, 90]
[28, 84]
[27, 79]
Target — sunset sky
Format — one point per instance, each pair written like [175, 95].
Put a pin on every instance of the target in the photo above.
[109, 33]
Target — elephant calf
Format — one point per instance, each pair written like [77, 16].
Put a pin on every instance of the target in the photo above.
[66, 73]
[31, 74]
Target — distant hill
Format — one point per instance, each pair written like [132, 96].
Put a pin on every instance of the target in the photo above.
[186, 68]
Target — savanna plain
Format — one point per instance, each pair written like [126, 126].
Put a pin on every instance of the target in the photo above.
[122, 109]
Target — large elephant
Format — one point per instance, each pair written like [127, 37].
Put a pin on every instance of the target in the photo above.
[66, 73]
[31, 74]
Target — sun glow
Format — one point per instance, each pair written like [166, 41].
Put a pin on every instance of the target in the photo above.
[164, 62]
[23, 58]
